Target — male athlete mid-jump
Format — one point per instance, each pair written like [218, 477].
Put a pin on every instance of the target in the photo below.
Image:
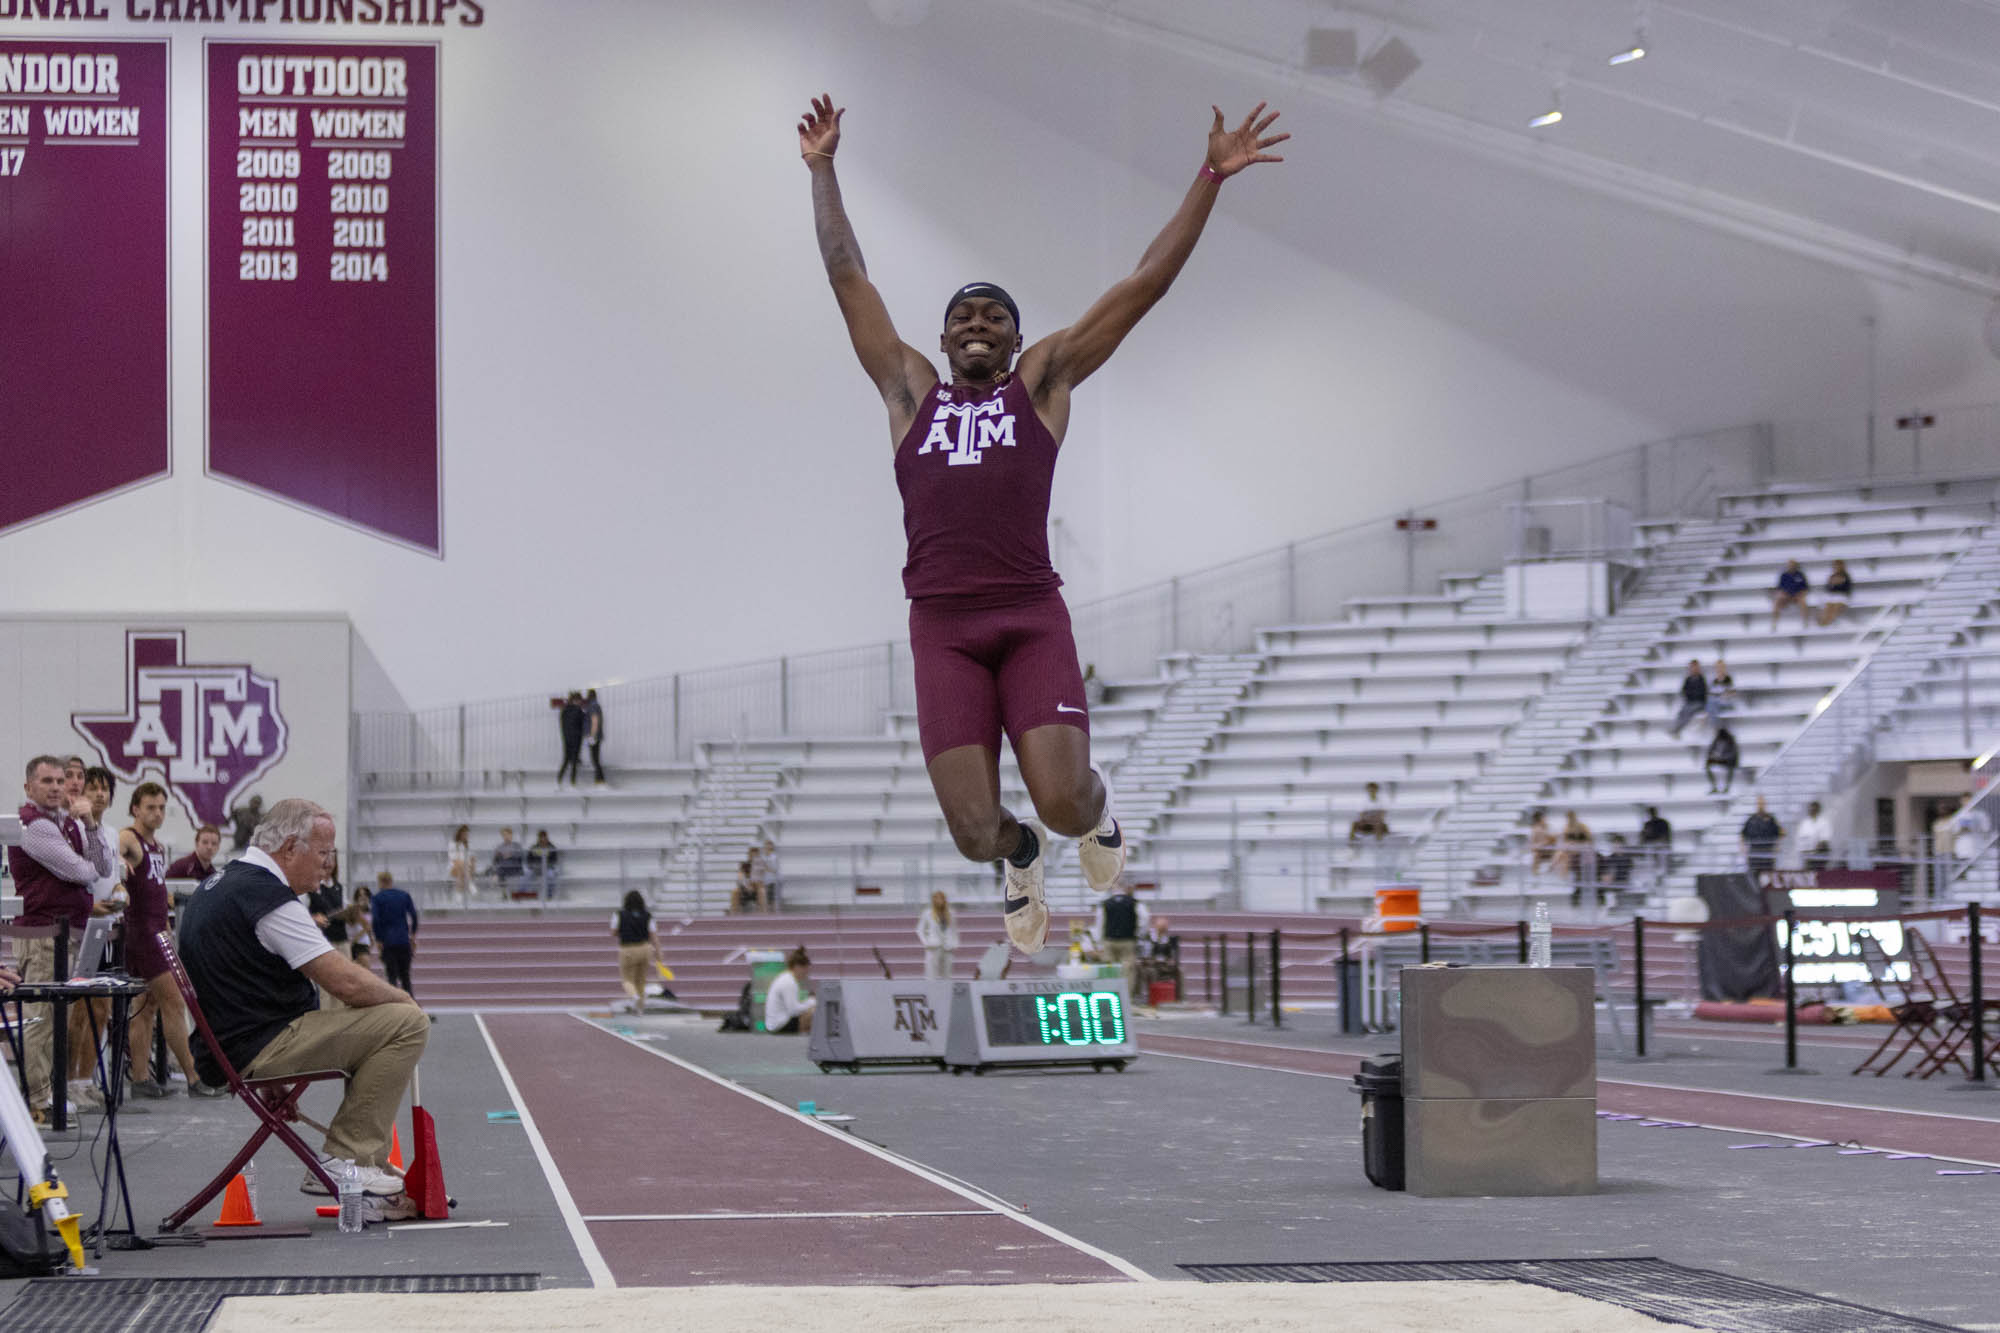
[989, 634]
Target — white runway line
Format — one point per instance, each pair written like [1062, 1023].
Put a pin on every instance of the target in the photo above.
[777, 1217]
[1132, 1271]
[579, 1233]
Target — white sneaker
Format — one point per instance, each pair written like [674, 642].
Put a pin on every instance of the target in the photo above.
[82, 1092]
[1026, 907]
[1101, 852]
[379, 1181]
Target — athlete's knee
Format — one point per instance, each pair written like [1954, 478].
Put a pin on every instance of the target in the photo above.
[1071, 814]
[977, 836]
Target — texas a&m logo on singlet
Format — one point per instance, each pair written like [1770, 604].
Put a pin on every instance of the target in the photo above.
[965, 431]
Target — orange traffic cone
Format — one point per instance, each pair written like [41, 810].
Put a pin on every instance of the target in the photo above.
[424, 1181]
[395, 1148]
[237, 1210]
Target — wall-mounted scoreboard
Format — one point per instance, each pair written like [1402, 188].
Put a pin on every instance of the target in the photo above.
[1042, 1021]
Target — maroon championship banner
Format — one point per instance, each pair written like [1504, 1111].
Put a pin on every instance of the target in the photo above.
[322, 279]
[83, 272]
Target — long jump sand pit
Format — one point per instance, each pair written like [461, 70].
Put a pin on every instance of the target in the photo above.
[1106, 1307]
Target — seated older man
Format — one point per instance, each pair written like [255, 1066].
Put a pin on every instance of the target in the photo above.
[255, 956]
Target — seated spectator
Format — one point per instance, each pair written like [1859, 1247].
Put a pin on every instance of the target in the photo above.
[1656, 839]
[542, 861]
[255, 956]
[768, 859]
[1759, 839]
[1373, 821]
[1694, 697]
[1722, 754]
[1578, 847]
[1839, 591]
[1791, 591]
[788, 1005]
[1159, 957]
[1814, 837]
[508, 859]
[1721, 692]
[1541, 842]
[199, 863]
[1617, 864]
[1093, 686]
[748, 892]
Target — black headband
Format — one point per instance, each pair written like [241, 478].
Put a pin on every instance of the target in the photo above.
[990, 290]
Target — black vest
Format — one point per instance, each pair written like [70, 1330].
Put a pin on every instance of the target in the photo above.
[633, 927]
[247, 993]
[1121, 917]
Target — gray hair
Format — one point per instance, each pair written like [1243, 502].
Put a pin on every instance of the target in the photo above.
[289, 818]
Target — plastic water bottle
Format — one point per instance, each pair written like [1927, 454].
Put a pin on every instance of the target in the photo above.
[350, 1198]
[1541, 937]
[250, 1185]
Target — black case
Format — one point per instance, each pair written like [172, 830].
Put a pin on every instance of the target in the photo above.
[1380, 1084]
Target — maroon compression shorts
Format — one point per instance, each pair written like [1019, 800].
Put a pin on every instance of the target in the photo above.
[981, 671]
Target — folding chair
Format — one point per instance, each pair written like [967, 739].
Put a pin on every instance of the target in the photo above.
[1918, 1017]
[274, 1101]
[1956, 1012]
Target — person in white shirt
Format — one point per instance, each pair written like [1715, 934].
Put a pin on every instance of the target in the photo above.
[788, 1005]
[458, 857]
[938, 933]
[1815, 838]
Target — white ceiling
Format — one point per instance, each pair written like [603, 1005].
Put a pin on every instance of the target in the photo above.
[1862, 131]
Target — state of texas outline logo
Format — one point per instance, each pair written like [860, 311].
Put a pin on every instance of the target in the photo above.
[206, 731]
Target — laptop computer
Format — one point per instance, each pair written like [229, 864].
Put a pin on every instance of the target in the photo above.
[90, 951]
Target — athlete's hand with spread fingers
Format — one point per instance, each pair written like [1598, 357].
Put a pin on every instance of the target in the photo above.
[819, 131]
[1229, 151]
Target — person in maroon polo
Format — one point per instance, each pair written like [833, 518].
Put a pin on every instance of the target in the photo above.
[974, 459]
[59, 857]
[199, 863]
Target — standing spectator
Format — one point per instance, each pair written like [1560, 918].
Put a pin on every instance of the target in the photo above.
[1814, 837]
[199, 863]
[1761, 833]
[243, 821]
[573, 723]
[55, 863]
[392, 917]
[1373, 821]
[1722, 754]
[1656, 843]
[1578, 854]
[768, 863]
[360, 944]
[1159, 957]
[542, 865]
[632, 924]
[748, 891]
[1121, 919]
[1694, 697]
[107, 898]
[788, 1005]
[458, 858]
[1721, 692]
[146, 891]
[327, 904]
[1541, 842]
[593, 716]
[1839, 591]
[1792, 590]
[939, 935]
[1962, 834]
[508, 859]
[1617, 866]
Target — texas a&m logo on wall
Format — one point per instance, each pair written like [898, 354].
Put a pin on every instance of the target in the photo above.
[207, 730]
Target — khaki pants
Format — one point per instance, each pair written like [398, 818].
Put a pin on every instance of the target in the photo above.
[376, 1047]
[38, 963]
[1125, 953]
[635, 966]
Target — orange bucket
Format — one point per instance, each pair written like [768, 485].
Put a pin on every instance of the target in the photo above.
[1398, 909]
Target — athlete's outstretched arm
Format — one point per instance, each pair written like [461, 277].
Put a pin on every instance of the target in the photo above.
[884, 356]
[1066, 358]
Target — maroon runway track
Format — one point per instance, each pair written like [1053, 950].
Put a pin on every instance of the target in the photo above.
[682, 1180]
[1959, 1137]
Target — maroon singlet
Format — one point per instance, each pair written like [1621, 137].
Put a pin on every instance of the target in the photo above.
[146, 910]
[975, 471]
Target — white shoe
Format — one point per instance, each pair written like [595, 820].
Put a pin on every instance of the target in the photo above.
[82, 1092]
[1101, 852]
[1027, 909]
[379, 1181]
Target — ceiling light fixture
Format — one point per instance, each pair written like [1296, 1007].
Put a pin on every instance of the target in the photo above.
[1636, 51]
[1552, 115]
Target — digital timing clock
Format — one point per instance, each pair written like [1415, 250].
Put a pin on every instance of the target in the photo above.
[1038, 1022]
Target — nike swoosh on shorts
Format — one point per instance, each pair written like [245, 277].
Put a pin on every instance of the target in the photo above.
[1065, 708]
